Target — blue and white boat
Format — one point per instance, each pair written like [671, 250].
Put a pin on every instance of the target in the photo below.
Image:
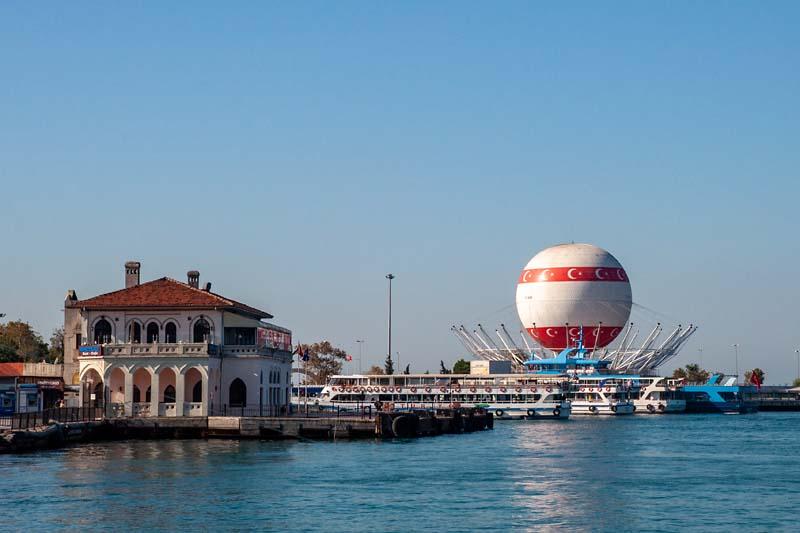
[591, 392]
[720, 394]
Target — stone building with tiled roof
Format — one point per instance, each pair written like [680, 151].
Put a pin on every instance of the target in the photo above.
[168, 348]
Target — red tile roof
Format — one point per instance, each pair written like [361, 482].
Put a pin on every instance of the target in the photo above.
[165, 293]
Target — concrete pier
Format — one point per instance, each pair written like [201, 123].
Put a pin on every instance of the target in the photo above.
[396, 424]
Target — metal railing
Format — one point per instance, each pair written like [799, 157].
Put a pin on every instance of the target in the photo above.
[283, 411]
[50, 416]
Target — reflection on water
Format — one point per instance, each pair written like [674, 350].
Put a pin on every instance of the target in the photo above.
[641, 472]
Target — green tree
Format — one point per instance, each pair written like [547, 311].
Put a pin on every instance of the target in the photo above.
[388, 365]
[691, 373]
[375, 370]
[748, 376]
[324, 360]
[8, 352]
[443, 369]
[28, 344]
[796, 382]
[56, 349]
[461, 367]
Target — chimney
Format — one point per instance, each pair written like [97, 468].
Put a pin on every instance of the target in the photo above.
[194, 278]
[132, 274]
[208, 287]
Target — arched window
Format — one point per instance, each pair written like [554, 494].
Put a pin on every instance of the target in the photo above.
[238, 393]
[152, 332]
[169, 394]
[137, 394]
[197, 392]
[202, 331]
[135, 333]
[171, 332]
[147, 395]
[102, 331]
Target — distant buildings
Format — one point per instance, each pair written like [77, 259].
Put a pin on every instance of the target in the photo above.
[29, 387]
[168, 348]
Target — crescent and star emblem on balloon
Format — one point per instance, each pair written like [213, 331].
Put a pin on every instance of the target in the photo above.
[615, 332]
[600, 273]
[526, 276]
[569, 273]
[546, 273]
[621, 274]
[573, 332]
[550, 332]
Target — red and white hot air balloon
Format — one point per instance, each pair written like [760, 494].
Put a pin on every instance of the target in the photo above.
[569, 286]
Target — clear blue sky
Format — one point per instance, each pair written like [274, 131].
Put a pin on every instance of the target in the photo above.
[296, 152]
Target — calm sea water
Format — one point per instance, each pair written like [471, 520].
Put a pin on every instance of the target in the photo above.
[663, 473]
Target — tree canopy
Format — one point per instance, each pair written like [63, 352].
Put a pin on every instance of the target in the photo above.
[375, 370]
[461, 367]
[20, 342]
[691, 373]
[324, 360]
[388, 365]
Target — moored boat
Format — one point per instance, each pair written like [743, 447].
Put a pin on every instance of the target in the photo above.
[720, 394]
[658, 395]
[506, 396]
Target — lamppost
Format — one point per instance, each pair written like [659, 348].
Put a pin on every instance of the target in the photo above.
[797, 352]
[360, 345]
[390, 277]
[736, 351]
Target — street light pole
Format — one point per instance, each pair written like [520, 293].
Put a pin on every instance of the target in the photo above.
[360, 344]
[736, 350]
[390, 277]
[798, 363]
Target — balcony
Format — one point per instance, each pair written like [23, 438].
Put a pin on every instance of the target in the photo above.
[157, 349]
[237, 350]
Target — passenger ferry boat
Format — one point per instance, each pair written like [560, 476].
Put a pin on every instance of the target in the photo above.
[506, 396]
[590, 392]
[720, 394]
[659, 395]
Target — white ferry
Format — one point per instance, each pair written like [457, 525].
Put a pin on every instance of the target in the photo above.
[599, 394]
[590, 392]
[506, 396]
[657, 396]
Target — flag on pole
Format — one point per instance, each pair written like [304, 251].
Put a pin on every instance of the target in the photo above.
[348, 357]
[754, 379]
[297, 350]
[305, 354]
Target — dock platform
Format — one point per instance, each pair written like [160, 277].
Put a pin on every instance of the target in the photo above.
[382, 425]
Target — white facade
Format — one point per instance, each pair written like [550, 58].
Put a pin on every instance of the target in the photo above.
[150, 359]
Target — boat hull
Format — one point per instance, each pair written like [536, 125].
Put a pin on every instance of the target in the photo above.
[596, 409]
[659, 406]
[738, 407]
[533, 413]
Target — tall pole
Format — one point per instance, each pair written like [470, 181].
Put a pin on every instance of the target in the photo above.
[390, 277]
[360, 344]
[736, 350]
[797, 352]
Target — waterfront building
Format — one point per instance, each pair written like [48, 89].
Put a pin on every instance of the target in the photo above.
[168, 348]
